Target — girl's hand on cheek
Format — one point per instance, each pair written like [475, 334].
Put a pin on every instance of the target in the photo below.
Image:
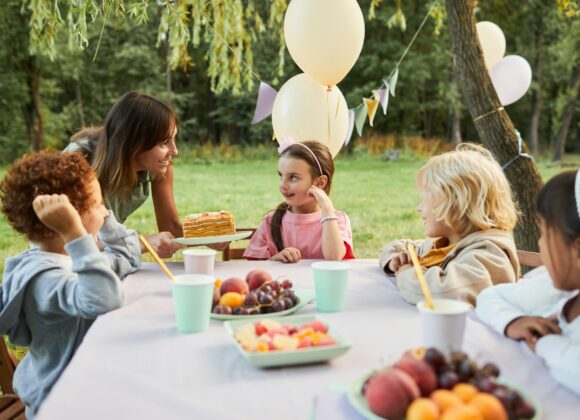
[322, 199]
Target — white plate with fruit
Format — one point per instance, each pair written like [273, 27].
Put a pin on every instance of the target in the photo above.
[427, 385]
[208, 240]
[298, 340]
[258, 295]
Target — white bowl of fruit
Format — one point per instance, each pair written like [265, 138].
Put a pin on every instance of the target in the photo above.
[258, 294]
[425, 384]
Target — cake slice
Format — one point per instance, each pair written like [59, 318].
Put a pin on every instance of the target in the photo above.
[209, 224]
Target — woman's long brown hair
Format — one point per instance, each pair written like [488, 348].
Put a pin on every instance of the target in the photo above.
[296, 151]
[135, 124]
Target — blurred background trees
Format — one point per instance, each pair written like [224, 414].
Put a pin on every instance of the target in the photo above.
[175, 50]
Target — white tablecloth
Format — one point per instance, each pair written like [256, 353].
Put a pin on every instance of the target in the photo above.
[133, 364]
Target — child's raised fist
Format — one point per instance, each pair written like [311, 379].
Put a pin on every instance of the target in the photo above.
[399, 260]
[58, 214]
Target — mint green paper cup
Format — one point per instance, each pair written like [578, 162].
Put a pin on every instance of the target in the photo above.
[330, 279]
[192, 297]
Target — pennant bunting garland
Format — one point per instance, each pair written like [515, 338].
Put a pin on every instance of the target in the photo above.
[350, 126]
[382, 95]
[360, 115]
[391, 82]
[371, 105]
[266, 96]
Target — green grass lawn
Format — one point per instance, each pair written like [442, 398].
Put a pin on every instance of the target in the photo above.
[380, 198]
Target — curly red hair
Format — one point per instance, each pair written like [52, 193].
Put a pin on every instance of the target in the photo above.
[45, 172]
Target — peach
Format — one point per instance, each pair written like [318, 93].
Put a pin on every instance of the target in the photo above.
[232, 299]
[489, 406]
[445, 399]
[462, 412]
[421, 372]
[390, 392]
[465, 391]
[234, 284]
[423, 409]
[256, 278]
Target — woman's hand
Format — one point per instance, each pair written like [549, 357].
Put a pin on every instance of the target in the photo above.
[399, 260]
[323, 200]
[287, 255]
[531, 328]
[58, 214]
[163, 244]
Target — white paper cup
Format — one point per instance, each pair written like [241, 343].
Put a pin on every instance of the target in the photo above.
[199, 261]
[444, 326]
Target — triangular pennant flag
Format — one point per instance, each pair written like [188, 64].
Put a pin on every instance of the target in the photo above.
[360, 116]
[266, 96]
[391, 82]
[371, 105]
[350, 126]
[382, 95]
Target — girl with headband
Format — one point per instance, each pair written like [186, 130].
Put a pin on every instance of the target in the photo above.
[305, 225]
[543, 308]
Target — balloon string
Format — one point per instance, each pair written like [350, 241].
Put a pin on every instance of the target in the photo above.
[493, 111]
[520, 154]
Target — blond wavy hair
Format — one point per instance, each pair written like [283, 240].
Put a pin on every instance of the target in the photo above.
[468, 190]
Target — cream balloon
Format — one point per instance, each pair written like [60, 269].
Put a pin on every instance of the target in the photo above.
[324, 37]
[306, 110]
[492, 41]
[511, 78]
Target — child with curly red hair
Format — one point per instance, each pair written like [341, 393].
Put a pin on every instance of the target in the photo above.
[50, 295]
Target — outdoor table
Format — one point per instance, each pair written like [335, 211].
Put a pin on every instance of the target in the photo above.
[133, 364]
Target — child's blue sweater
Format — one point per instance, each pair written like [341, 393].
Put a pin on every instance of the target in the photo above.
[48, 302]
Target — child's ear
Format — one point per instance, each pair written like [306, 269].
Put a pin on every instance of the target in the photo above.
[321, 181]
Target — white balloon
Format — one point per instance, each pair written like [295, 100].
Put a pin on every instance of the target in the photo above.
[511, 78]
[324, 37]
[306, 110]
[492, 41]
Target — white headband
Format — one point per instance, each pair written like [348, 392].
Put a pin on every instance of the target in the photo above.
[577, 189]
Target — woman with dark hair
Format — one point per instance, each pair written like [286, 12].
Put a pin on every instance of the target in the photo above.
[131, 155]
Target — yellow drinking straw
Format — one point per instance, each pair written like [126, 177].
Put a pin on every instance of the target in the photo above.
[156, 258]
[422, 281]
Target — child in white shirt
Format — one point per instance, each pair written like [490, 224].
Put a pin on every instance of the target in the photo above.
[543, 308]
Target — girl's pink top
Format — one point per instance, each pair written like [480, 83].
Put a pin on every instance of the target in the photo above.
[301, 231]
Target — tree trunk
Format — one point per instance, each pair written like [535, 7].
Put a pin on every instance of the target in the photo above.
[493, 126]
[567, 118]
[32, 114]
[537, 93]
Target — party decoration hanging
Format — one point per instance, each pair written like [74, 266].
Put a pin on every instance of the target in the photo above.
[306, 110]
[511, 78]
[266, 96]
[492, 41]
[324, 37]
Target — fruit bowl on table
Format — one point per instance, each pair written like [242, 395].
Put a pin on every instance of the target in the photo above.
[293, 349]
[303, 298]
[258, 295]
[408, 390]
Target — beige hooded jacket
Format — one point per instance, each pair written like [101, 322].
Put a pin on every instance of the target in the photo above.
[479, 260]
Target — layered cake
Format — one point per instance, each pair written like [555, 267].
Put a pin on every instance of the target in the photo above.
[217, 223]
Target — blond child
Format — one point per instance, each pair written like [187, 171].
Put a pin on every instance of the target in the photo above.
[305, 224]
[468, 212]
[543, 308]
[50, 295]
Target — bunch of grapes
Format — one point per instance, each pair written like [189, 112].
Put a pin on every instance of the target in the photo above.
[273, 296]
[459, 368]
